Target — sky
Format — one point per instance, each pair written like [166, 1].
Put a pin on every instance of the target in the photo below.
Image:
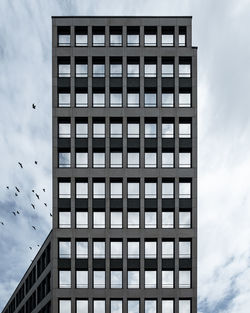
[221, 32]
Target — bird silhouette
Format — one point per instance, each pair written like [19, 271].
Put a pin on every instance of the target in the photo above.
[17, 189]
[37, 196]
[2, 223]
[38, 245]
[35, 162]
[18, 212]
[30, 248]
[33, 106]
[7, 187]
[43, 189]
[16, 194]
[50, 214]
[33, 190]
[45, 204]
[33, 206]
[14, 213]
[21, 165]
[34, 227]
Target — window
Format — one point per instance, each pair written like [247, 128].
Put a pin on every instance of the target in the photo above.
[150, 70]
[167, 99]
[82, 159]
[64, 100]
[116, 279]
[150, 306]
[81, 70]
[116, 130]
[98, 70]
[184, 279]
[150, 40]
[133, 130]
[133, 100]
[98, 190]
[150, 130]
[167, 219]
[167, 279]
[64, 130]
[133, 249]
[167, 249]
[133, 279]
[116, 190]
[81, 130]
[115, 219]
[184, 306]
[81, 40]
[150, 279]
[64, 279]
[133, 159]
[184, 219]
[185, 159]
[82, 190]
[150, 220]
[64, 249]
[99, 249]
[98, 219]
[63, 70]
[167, 306]
[182, 36]
[167, 70]
[167, 130]
[63, 40]
[64, 306]
[81, 306]
[81, 249]
[133, 190]
[116, 99]
[64, 159]
[185, 190]
[150, 190]
[64, 219]
[98, 306]
[116, 306]
[133, 40]
[167, 190]
[184, 249]
[167, 159]
[133, 219]
[81, 279]
[82, 100]
[150, 249]
[133, 70]
[98, 40]
[116, 249]
[185, 130]
[98, 159]
[115, 40]
[99, 130]
[98, 100]
[133, 306]
[99, 279]
[150, 100]
[81, 219]
[150, 159]
[115, 70]
[184, 100]
[167, 40]
[185, 70]
[116, 159]
[64, 190]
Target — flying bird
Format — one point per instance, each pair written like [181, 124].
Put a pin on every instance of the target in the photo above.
[37, 196]
[33, 190]
[45, 204]
[21, 165]
[18, 212]
[17, 189]
[33, 106]
[16, 194]
[14, 213]
[43, 189]
[30, 248]
[2, 223]
[35, 162]
[50, 214]
[33, 206]
[38, 245]
[34, 227]
[7, 187]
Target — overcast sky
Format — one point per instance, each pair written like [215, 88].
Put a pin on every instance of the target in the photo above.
[221, 31]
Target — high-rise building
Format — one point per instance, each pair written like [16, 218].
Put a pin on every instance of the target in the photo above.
[124, 237]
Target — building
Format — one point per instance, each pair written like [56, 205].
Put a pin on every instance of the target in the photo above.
[124, 237]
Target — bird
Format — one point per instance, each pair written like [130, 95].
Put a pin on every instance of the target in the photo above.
[21, 165]
[34, 227]
[33, 206]
[30, 248]
[33, 190]
[14, 213]
[7, 187]
[17, 189]
[37, 196]
[2, 223]
[35, 162]
[45, 204]
[18, 212]
[38, 245]
[33, 106]
[16, 194]
[43, 189]
[50, 214]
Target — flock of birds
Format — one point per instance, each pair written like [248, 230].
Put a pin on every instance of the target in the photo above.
[17, 191]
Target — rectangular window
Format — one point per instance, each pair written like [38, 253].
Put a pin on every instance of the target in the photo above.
[82, 159]
[116, 279]
[99, 159]
[116, 249]
[98, 306]
[184, 279]
[115, 40]
[64, 249]
[133, 249]
[184, 306]
[98, 100]
[133, 306]
[133, 40]
[116, 190]
[150, 159]
[150, 190]
[184, 100]
[150, 130]
[167, 130]
[64, 189]
[150, 279]
[116, 130]
[134, 190]
[81, 279]
[167, 219]
[81, 306]
[64, 279]
[150, 70]
[98, 70]
[133, 100]
[150, 306]
[167, 40]
[185, 190]
[167, 306]
[115, 70]
[64, 40]
[185, 159]
[167, 70]
[81, 70]
[64, 159]
[116, 159]
[150, 40]
[115, 219]
[81, 100]
[167, 190]
[98, 130]
[81, 130]
[133, 70]
[167, 249]
[81, 219]
[182, 36]
[99, 249]
[150, 249]
[167, 159]
[98, 40]
[81, 40]
[184, 70]
[133, 130]
[81, 190]
[64, 219]
[115, 99]
[185, 220]
[167, 279]
[81, 249]
[133, 159]
[150, 219]
[133, 279]
[64, 306]
[64, 130]
[99, 190]
[167, 100]
[64, 100]
[98, 219]
[184, 249]
[185, 130]
[99, 279]
[133, 219]
[63, 70]
[150, 100]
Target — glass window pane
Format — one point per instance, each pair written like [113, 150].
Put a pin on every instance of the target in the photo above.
[99, 306]
[98, 190]
[64, 40]
[99, 279]
[64, 159]
[81, 306]
[184, 249]
[64, 190]
[167, 190]
[81, 130]
[150, 40]
[133, 130]
[64, 219]
[150, 190]
[167, 130]
[167, 40]
[64, 70]
[167, 279]
[115, 70]
[184, 279]
[98, 219]
[150, 130]
[116, 279]
[150, 249]
[167, 249]
[167, 100]
[133, 159]
[182, 40]
[98, 70]
[133, 219]
[150, 306]
[133, 190]
[167, 70]
[116, 99]
[81, 249]
[150, 159]
[116, 190]
[133, 40]
[64, 306]
[116, 40]
[81, 159]
[185, 190]
[185, 159]
[133, 70]
[64, 99]
[150, 220]
[81, 70]
[185, 100]
[116, 219]
[81, 100]
[98, 40]
[81, 40]
[81, 219]
[133, 249]
[99, 130]
[167, 219]
[64, 249]
[184, 306]
[116, 249]
[150, 279]
[82, 190]
[150, 70]
[133, 99]
[64, 130]
[81, 279]
[150, 99]
[98, 159]
[184, 70]
[98, 99]
[133, 279]
[115, 130]
[184, 219]
[116, 159]
[64, 279]
[99, 249]
[167, 159]
[167, 306]
[185, 130]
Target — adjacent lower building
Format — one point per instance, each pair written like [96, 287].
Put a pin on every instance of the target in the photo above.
[124, 236]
